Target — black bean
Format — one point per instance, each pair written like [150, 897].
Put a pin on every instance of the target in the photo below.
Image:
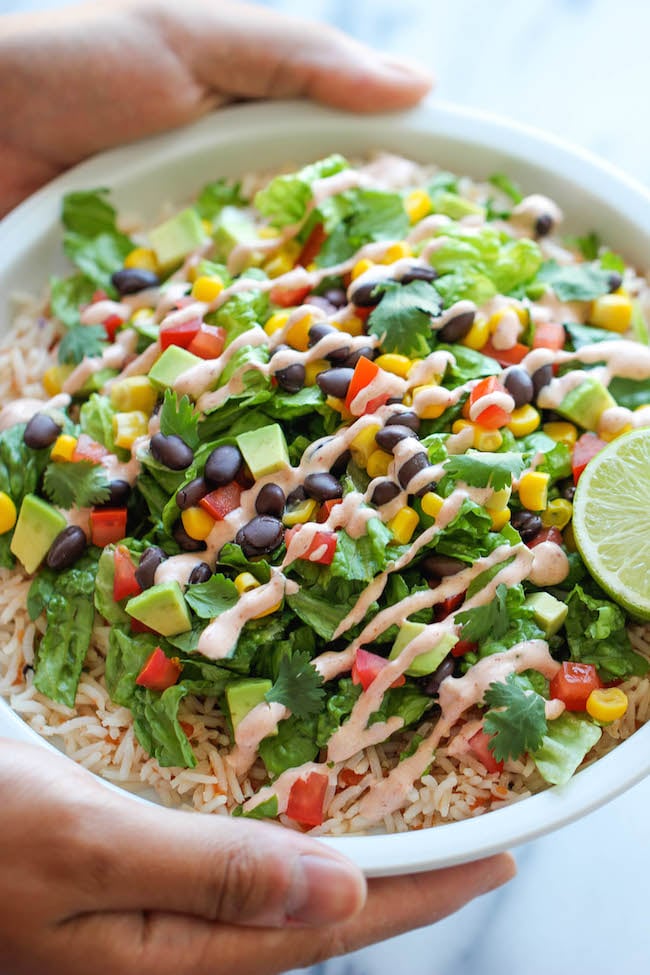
[615, 280]
[130, 280]
[150, 559]
[335, 382]
[419, 273]
[200, 573]
[190, 495]
[41, 431]
[270, 501]
[171, 451]
[367, 352]
[543, 225]
[384, 492]
[388, 437]
[418, 462]
[185, 541]
[223, 465]
[567, 489]
[406, 419]
[338, 356]
[541, 378]
[323, 487]
[362, 295]
[456, 328]
[519, 385]
[318, 301]
[392, 400]
[282, 347]
[440, 566]
[319, 331]
[340, 465]
[291, 378]
[431, 486]
[120, 492]
[336, 297]
[260, 536]
[527, 524]
[442, 671]
[297, 496]
[68, 546]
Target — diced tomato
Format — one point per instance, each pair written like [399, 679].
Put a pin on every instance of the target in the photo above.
[124, 580]
[111, 325]
[99, 295]
[573, 684]
[286, 297]
[159, 671]
[138, 627]
[326, 509]
[208, 342]
[364, 373]
[88, 449]
[549, 335]
[222, 500]
[312, 245]
[493, 417]
[348, 777]
[506, 357]
[479, 744]
[107, 525]
[447, 606]
[367, 665]
[462, 647]
[306, 799]
[546, 535]
[323, 542]
[486, 387]
[586, 447]
[180, 335]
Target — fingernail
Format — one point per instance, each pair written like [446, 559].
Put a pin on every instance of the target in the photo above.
[324, 890]
[407, 69]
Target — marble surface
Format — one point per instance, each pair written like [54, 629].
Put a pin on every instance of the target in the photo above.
[578, 68]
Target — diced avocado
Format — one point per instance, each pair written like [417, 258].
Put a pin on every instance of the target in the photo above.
[37, 526]
[174, 239]
[244, 695]
[172, 363]
[425, 663]
[584, 404]
[454, 206]
[232, 227]
[162, 608]
[548, 612]
[265, 450]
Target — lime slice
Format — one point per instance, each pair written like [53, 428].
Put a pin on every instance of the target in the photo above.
[610, 520]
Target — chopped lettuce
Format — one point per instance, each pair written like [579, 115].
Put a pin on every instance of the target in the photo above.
[92, 240]
[597, 634]
[286, 198]
[566, 742]
[361, 559]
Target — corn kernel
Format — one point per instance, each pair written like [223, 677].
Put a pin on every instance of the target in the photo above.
[431, 504]
[607, 704]
[127, 427]
[404, 524]
[245, 581]
[533, 490]
[142, 316]
[561, 432]
[361, 267]
[499, 519]
[610, 435]
[54, 378]
[478, 334]
[298, 335]
[378, 463]
[276, 322]
[8, 513]
[613, 312]
[337, 404]
[283, 260]
[398, 365]
[63, 447]
[207, 289]
[364, 443]
[300, 513]
[459, 425]
[499, 500]
[352, 325]
[143, 258]
[488, 440]
[520, 312]
[312, 369]
[557, 514]
[417, 204]
[133, 393]
[267, 612]
[197, 523]
[268, 233]
[396, 252]
[427, 411]
[524, 420]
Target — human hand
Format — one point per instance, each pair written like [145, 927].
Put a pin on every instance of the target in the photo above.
[92, 880]
[82, 79]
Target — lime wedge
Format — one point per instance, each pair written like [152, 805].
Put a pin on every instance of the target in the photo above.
[610, 520]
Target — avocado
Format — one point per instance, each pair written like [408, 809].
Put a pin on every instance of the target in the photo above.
[454, 206]
[548, 612]
[37, 526]
[264, 450]
[174, 239]
[425, 663]
[231, 228]
[172, 363]
[584, 404]
[244, 695]
[162, 608]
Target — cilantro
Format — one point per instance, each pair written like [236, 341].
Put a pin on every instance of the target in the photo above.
[485, 577]
[180, 418]
[521, 725]
[575, 282]
[81, 341]
[505, 184]
[215, 196]
[483, 469]
[298, 686]
[371, 215]
[92, 239]
[210, 599]
[67, 295]
[488, 620]
[402, 319]
[588, 245]
[76, 484]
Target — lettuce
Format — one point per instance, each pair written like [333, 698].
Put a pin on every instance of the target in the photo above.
[568, 739]
[597, 634]
[372, 215]
[361, 559]
[92, 240]
[293, 745]
[286, 198]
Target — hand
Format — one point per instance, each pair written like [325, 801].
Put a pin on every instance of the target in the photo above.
[85, 78]
[92, 880]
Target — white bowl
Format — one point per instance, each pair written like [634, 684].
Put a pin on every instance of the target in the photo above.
[173, 167]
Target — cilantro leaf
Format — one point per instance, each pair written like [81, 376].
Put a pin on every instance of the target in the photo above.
[180, 418]
[521, 725]
[402, 319]
[483, 469]
[364, 216]
[98, 257]
[76, 484]
[488, 620]
[575, 282]
[298, 686]
[210, 599]
[81, 341]
[67, 295]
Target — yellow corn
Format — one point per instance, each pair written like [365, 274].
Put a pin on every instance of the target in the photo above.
[267, 612]
[613, 312]
[524, 420]
[197, 523]
[398, 365]
[207, 226]
[7, 513]
[557, 514]
[432, 410]
[610, 435]
[284, 260]
[488, 440]
[361, 267]
[378, 463]
[364, 444]
[143, 258]
[54, 378]
[431, 504]
[300, 513]
[396, 252]
[494, 319]
[142, 315]
[312, 369]
[607, 704]
[561, 432]
[417, 204]
[339, 405]
[127, 427]
[352, 325]
[533, 489]
[245, 581]
[478, 334]
[404, 524]
[499, 500]
[206, 288]
[298, 335]
[63, 447]
[276, 322]
[133, 393]
[500, 518]
[459, 425]
[268, 233]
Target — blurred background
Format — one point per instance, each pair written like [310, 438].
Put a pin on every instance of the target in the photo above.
[579, 69]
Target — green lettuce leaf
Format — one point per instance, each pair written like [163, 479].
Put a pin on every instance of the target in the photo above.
[293, 745]
[361, 559]
[67, 295]
[286, 198]
[566, 742]
[597, 634]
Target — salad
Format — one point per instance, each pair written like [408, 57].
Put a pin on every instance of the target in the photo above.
[286, 511]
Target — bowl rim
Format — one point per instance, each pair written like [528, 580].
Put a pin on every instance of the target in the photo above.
[629, 762]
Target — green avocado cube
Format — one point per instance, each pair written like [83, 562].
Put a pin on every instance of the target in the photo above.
[37, 526]
[243, 695]
[172, 363]
[177, 237]
[584, 404]
[264, 450]
[232, 227]
[425, 663]
[162, 608]
[548, 612]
